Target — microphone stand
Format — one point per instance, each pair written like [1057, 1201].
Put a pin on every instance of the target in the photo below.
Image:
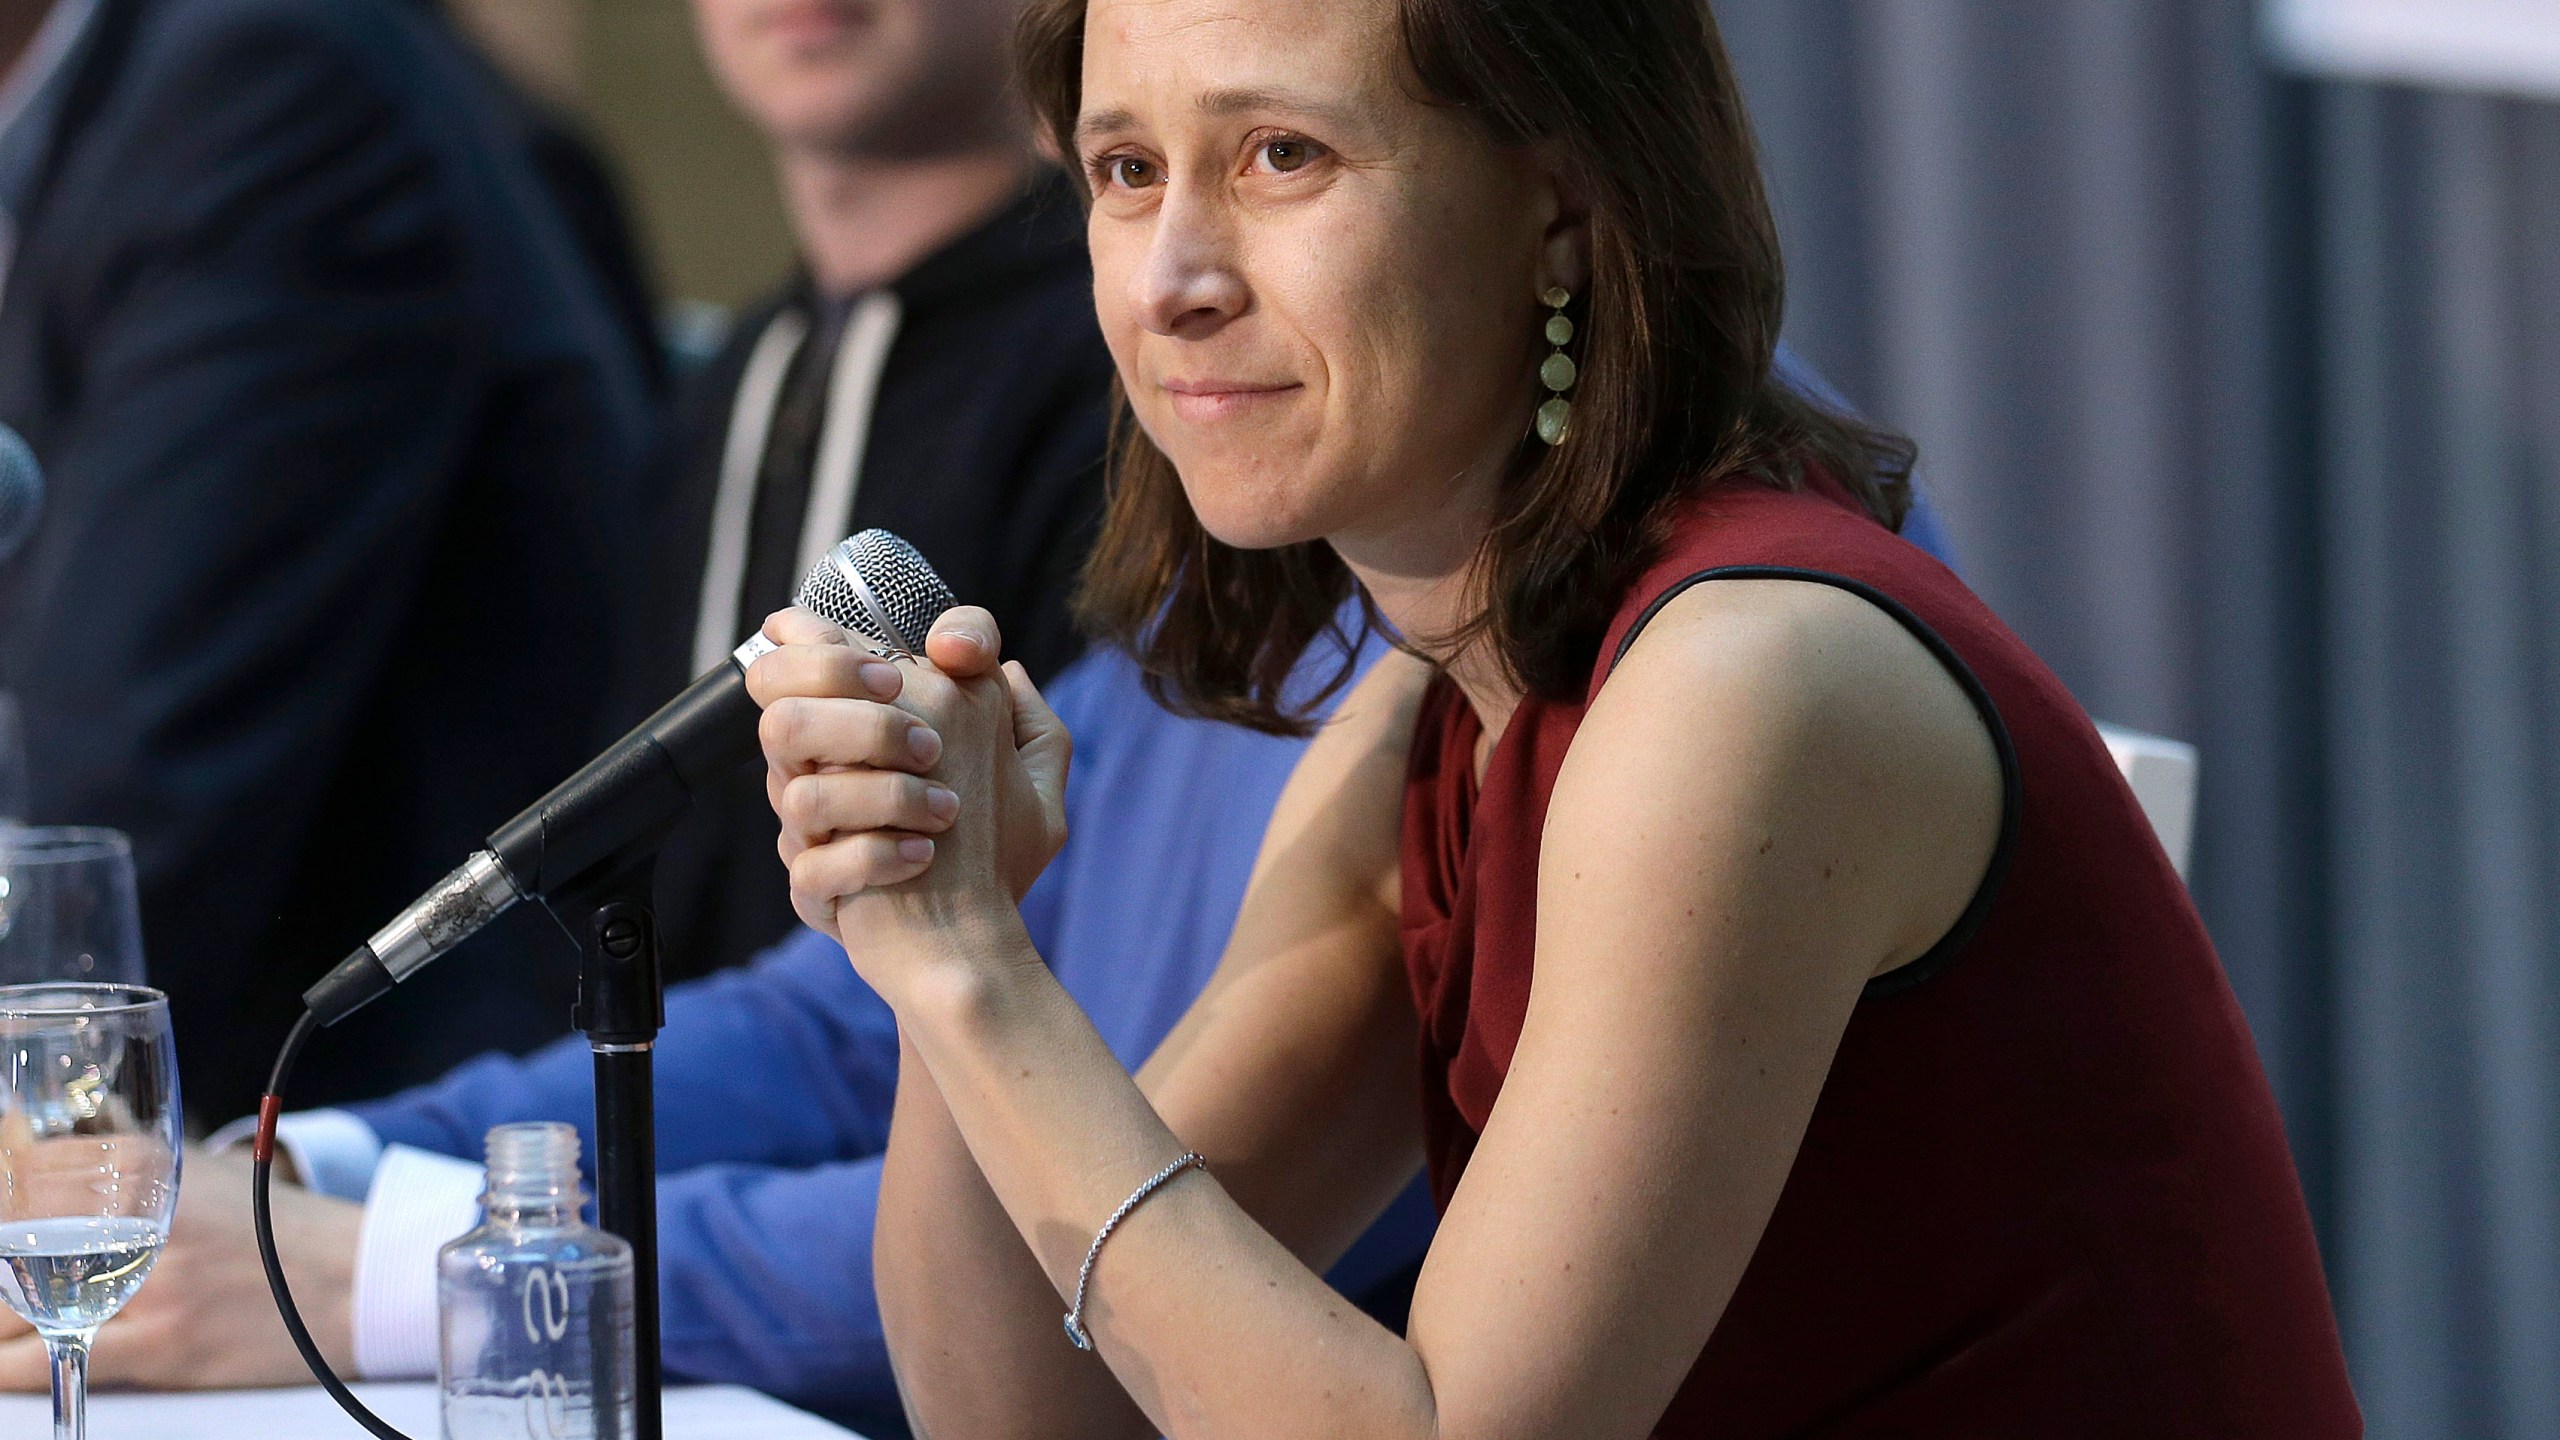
[622, 1005]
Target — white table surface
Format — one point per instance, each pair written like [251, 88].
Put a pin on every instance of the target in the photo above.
[694, 1413]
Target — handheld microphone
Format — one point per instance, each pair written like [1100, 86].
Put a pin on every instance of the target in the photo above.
[21, 492]
[874, 585]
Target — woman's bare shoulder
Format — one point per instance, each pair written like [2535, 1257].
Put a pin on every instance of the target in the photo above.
[1797, 712]
[1794, 653]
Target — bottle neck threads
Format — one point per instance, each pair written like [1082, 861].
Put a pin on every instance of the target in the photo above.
[533, 1169]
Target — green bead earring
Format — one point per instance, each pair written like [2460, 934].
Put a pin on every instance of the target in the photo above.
[1555, 418]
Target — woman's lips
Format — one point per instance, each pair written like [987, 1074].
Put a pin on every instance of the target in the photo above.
[1206, 400]
[815, 22]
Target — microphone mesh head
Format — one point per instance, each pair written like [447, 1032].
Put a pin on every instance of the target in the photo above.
[878, 587]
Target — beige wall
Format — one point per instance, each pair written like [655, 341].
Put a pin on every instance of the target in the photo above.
[698, 180]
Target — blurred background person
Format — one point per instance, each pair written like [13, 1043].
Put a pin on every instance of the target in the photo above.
[342, 428]
[931, 367]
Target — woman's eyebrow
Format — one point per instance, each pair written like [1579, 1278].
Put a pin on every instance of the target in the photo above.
[1235, 100]
[1104, 122]
[1238, 100]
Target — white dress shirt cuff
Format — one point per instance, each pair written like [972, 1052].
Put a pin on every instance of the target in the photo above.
[418, 1201]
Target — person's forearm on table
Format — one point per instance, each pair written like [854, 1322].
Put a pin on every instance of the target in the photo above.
[1238, 1335]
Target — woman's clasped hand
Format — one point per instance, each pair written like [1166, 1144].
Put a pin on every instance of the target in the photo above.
[919, 797]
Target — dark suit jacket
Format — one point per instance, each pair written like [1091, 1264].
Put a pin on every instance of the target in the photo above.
[339, 429]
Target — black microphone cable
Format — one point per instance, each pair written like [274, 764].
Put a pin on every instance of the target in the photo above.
[262, 1165]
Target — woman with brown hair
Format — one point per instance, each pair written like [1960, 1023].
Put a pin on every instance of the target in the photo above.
[1813, 1038]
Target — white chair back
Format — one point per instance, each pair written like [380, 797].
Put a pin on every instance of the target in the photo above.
[2162, 773]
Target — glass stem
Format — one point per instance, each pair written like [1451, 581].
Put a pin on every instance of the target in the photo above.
[70, 1385]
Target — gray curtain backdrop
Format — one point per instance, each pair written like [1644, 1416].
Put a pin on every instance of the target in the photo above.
[2241, 395]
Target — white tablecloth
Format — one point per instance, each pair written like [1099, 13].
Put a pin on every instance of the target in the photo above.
[693, 1413]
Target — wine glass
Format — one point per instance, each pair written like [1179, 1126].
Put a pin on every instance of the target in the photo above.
[67, 906]
[89, 1153]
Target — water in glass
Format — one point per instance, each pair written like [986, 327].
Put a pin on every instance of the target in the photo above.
[89, 1160]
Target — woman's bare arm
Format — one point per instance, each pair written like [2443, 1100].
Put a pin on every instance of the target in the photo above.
[1292, 1073]
[956, 1288]
[1780, 795]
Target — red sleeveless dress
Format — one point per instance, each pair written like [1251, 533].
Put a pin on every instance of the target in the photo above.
[2045, 1192]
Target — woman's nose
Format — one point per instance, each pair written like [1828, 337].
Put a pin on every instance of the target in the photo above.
[1190, 284]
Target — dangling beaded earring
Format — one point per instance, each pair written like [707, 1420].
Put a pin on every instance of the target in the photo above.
[1555, 418]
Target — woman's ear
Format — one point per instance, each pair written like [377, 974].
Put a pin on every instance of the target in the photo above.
[1565, 249]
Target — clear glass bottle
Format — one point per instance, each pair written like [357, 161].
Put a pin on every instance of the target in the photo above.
[536, 1304]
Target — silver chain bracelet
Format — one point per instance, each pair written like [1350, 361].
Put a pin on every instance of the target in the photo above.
[1137, 1197]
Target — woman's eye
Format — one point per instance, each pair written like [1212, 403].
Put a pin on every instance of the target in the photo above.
[1288, 155]
[1132, 172]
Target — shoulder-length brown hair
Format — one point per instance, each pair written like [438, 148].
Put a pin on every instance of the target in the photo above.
[1678, 393]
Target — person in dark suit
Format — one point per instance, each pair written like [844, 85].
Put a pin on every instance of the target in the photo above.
[341, 430]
